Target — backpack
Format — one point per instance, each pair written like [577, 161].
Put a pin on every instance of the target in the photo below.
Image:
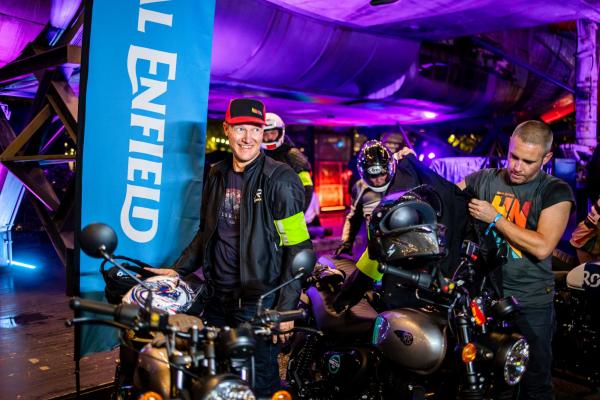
[118, 282]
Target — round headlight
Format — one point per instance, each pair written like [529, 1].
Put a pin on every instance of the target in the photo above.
[515, 362]
[222, 387]
[231, 390]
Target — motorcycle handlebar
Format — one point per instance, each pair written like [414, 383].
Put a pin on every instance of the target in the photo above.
[280, 316]
[291, 315]
[124, 313]
[420, 279]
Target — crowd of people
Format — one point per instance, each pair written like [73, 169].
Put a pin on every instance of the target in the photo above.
[253, 222]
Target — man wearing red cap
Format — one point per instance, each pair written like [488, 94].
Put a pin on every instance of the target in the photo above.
[251, 226]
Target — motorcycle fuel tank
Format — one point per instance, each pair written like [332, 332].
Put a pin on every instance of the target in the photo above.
[413, 339]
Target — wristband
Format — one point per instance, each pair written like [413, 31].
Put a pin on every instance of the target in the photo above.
[493, 223]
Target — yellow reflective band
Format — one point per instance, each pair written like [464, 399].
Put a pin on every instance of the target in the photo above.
[292, 230]
[368, 266]
[305, 178]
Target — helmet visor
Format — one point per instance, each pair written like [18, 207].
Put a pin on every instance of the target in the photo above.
[379, 179]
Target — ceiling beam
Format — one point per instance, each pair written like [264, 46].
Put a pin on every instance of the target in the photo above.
[65, 103]
[20, 141]
[35, 181]
[517, 61]
[51, 58]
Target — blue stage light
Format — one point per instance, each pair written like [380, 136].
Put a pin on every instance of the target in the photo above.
[21, 264]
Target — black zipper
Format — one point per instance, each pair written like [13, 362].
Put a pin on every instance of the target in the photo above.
[244, 201]
[206, 245]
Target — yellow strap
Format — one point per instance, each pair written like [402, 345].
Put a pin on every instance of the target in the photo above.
[305, 178]
[369, 267]
[292, 230]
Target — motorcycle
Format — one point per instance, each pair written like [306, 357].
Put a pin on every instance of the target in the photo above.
[183, 359]
[455, 341]
[577, 337]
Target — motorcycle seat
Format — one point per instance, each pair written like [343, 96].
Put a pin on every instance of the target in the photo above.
[560, 278]
[575, 278]
[343, 264]
[356, 322]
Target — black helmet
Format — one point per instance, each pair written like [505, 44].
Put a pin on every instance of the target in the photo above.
[375, 161]
[404, 226]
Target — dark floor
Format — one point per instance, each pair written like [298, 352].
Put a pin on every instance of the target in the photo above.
[36, 349]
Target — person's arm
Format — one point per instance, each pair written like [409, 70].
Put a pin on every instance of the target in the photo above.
[287, 198]
[539, 243]
[300, 164]
[358, 283]
[187, 261]
[308, 192]
[354, 219]
[191, 258]
[403, 152]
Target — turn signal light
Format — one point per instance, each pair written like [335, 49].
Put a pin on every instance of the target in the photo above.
[477, 312]
[281, 395]
[469, 352]
[151, 396]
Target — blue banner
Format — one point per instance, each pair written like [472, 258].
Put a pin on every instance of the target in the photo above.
[146, 98]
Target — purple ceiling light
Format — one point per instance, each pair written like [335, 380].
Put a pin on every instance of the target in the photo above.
[21, 21]
[280, 49]
[442, 19]
[62, 12]
[295, 62]
[339, 63]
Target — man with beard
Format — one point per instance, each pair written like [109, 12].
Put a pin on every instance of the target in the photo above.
[525, 212]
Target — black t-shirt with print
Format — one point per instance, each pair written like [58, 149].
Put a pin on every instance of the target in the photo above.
[530, 280]
[226, 249]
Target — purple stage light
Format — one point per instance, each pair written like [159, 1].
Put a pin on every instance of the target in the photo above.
[62, 12]
[421, 157]
[5, 111]
[431, 155]
[429, 115]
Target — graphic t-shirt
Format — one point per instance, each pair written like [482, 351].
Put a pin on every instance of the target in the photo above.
[530, 280]
[226, 251]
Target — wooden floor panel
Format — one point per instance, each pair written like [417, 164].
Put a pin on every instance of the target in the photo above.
[36, 348]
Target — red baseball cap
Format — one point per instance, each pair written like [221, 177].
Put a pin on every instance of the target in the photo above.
[245, 111]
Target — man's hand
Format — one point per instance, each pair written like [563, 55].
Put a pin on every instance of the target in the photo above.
[403, 152]
[593, 215]
[345, 248]
[163, 271]
[283, 327]
[482, 210]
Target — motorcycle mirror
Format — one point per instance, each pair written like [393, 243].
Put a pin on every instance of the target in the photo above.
[304, 262]
[98, 239]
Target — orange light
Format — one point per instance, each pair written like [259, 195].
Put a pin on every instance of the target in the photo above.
[469, 352]
[151, 396]
[560, 109]
[281, 395]
[477, 312]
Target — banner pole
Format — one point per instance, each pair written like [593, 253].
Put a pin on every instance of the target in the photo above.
[73, 287]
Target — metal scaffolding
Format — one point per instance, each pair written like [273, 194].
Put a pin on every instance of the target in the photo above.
[586, 75]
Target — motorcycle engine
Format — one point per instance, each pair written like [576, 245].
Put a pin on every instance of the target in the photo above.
[347, 369]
